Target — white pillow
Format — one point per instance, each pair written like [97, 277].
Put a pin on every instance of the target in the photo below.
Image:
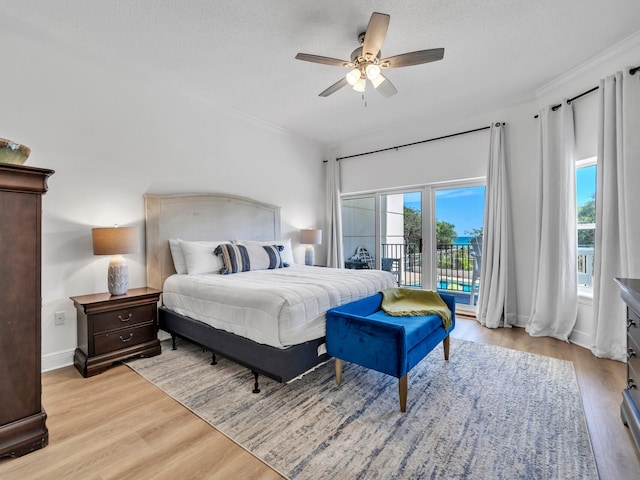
[199, 257]
[286, 254]
[178, 257]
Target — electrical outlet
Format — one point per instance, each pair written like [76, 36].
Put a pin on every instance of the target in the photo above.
[59, 318]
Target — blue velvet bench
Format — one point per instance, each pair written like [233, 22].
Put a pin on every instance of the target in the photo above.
[361, 332]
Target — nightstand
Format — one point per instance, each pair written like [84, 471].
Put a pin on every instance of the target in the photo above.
[113, 328]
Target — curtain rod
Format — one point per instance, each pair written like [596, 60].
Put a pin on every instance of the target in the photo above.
[556, 107]
[416, 143]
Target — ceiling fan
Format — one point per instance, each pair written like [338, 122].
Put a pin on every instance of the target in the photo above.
[366, 62]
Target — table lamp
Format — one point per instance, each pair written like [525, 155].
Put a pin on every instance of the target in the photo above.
[310, 237]
[116, 241]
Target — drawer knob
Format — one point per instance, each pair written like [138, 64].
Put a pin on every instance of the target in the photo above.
[631, 323]
[630, 384]
[631, 352]
[125, 340]
[125, 319]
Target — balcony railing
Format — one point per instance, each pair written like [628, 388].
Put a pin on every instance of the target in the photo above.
[458, 268]
[458, 271]
[405, 262]
[585, 266]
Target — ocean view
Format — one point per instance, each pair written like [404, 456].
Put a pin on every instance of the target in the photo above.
[463, 241]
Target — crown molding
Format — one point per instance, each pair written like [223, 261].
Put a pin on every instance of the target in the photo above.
[630, 43]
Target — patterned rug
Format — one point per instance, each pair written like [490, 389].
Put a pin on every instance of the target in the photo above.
[487, 413]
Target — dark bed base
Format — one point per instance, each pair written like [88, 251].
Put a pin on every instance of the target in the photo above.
[281, 365]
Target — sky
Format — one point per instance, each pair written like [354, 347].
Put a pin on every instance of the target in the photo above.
[585, 184]
[463, 207]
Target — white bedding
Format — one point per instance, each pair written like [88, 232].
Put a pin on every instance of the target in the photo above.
[280, 307]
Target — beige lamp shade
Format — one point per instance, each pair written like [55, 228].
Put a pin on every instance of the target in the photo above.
[311, 237]
[115, 240]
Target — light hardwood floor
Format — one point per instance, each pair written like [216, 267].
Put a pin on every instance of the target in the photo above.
[116, 425]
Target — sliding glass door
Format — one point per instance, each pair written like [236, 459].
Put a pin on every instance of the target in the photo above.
[459, 218]
[428, 238]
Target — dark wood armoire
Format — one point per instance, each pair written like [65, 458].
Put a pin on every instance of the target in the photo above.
[22, 418]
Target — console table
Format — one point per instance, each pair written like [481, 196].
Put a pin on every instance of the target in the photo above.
[630, 408]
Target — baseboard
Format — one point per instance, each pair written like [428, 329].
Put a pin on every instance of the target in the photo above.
[64, 358]
[53, 361]
[581, 339]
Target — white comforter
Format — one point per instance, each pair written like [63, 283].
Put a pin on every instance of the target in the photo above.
[280, 307]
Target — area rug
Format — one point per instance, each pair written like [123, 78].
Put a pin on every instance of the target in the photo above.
[487, 413]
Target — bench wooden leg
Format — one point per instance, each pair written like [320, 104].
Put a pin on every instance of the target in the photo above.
[402, 391]
[445, 344]
[338, 371]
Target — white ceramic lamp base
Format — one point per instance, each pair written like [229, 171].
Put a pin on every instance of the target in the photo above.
[310, 255]
[118, 276]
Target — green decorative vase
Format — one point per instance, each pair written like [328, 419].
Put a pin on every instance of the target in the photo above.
[11, 152]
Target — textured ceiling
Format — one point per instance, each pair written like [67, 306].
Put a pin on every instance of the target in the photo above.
[241, 52]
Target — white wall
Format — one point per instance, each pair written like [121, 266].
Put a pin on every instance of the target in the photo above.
[465, 155]
[112, 135]
[437, 161]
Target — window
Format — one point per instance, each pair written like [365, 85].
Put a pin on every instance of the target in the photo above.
[586, 217]
[428, 237]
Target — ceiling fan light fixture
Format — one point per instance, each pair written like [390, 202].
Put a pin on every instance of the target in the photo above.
[360, 85]
[367, 62]
[353, 76]
[373, 71]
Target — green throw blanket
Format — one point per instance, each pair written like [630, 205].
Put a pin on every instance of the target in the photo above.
[409, 302]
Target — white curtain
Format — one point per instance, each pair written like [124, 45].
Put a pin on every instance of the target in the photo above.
[555, 285]
[497, 298]
[617, 249]
[334, 214]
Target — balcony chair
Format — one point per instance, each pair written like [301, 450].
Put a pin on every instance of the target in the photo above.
[392, 265]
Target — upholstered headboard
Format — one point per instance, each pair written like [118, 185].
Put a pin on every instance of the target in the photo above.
[206, 216]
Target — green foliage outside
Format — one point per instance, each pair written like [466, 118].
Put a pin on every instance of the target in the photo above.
[476, 232]
[458, 258]
[445, 233]
[412, 229]
[587, 214]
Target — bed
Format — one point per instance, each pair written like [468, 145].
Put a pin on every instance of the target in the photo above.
[269, 320]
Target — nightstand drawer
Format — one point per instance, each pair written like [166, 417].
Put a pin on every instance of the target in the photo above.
[126, 317]
[633, 361]
[126, 337]
[633, 379]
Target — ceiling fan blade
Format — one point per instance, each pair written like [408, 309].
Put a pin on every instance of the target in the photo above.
[334, 88]
[386, 88]
[374, 36]
[324, 60]
[412, 58]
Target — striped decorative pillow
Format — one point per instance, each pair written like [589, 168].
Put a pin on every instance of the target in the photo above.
[275, 256]
[243, 258]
